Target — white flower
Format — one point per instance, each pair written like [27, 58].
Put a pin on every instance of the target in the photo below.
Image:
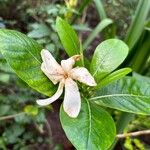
[65, 74]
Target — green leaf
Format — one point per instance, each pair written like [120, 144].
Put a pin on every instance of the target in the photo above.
[31, 110]
[92, 129]
[141, 53]
[2, 144]
[4, 77]
[102, 25]
[141, 78]
[138, 23]
[114, 76]
[40, 31]
[23, 55]
[4, 67]
[129, 94]
[107, 57]
[68, 37]
[81, 27]
[12, 133]
[100, 8]
[4, 109]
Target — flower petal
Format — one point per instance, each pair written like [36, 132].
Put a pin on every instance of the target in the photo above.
[48, 101]
[54, 78]
[72, 100]
[50, 66]
[82, 74]
[68, 63]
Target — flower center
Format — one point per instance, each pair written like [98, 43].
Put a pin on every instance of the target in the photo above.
[65, 75]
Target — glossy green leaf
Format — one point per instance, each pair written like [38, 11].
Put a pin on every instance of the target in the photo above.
[23, 55]
[68, 37]
[113, 77]
[130, 94]
[107, 57]
[93, 129]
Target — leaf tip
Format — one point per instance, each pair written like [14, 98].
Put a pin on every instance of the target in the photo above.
[58, 19]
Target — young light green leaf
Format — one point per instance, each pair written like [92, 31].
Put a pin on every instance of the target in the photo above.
[107, 57]
[92, 129]
[23, 55]
[129, 94]
[114, 76]
[68, 37]
[31, 110]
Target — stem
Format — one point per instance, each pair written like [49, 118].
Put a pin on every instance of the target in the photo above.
[48, 128]
[11, 116]
[49, 133]
[81, 9]
[133, 134]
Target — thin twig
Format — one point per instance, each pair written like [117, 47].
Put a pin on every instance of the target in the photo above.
[39, 129]
[15, 115]
[48, 128]
[11, 116]
[49, 133]
[82, 21]
[133, 134]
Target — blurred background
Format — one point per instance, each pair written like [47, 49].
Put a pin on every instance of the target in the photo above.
[25, 126]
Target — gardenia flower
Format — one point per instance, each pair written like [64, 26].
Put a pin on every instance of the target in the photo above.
[65, 74]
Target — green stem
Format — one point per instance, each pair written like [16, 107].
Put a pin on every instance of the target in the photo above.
[81, 9]
[11, 116]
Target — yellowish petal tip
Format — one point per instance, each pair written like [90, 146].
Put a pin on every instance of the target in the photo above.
[76, 57]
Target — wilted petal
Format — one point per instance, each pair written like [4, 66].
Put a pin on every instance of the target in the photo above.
[82, 74]
[48, 101]
[55, 78]
[68, 63]
[72, 100]
[50, 63]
